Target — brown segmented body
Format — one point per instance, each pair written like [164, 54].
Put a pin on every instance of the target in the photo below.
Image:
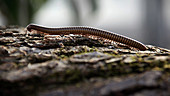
[88, 31]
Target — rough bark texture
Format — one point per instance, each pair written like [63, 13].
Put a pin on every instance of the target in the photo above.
[75, 65]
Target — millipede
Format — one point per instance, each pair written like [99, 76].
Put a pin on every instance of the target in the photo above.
[83, 30]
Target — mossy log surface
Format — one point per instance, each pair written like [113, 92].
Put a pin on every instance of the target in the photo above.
[75, 65]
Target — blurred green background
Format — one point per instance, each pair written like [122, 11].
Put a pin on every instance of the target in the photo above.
[19, 12]
[145, 20]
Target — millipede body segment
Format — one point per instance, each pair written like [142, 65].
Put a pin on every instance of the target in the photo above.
[88, 31]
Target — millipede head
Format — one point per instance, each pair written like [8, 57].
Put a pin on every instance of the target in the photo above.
[29, 28]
